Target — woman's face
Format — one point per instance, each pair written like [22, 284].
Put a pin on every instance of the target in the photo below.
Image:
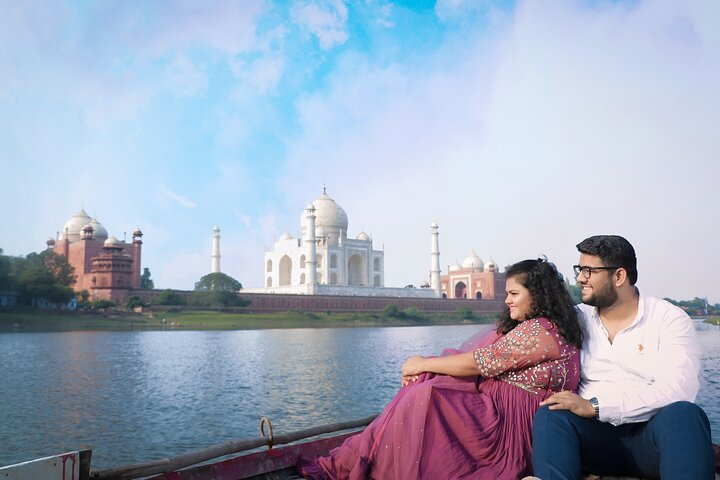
[518, 299]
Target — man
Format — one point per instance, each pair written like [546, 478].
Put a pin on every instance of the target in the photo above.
[640, 362]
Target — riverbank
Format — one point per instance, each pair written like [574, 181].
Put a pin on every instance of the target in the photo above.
[713, 320]
[30, 320]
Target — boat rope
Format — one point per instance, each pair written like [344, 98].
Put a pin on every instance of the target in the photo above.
[266, 421]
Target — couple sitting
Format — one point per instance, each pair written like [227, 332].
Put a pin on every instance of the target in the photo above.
[504, 405]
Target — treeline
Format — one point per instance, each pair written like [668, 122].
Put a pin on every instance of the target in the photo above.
[213, 290]
[697, 306]
[46, 279]
[38, 277]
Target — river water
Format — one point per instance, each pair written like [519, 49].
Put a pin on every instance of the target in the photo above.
[138, 396]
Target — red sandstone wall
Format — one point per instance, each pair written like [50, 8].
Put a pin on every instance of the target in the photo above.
[262, 302]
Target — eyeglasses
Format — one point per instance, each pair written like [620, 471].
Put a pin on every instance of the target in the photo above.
[587, 271]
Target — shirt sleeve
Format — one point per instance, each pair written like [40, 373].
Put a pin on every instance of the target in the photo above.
[528, 344]
[669, 375]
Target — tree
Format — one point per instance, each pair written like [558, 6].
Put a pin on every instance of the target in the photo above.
[44, 276]
[218, 290]
[575, 291]
[391, 310]
[133, 302]
[145, 280]
[168, 297]
[6, 282]
[218, 282]
[464, 312]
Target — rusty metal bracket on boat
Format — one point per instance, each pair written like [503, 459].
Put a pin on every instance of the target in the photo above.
[266, 421]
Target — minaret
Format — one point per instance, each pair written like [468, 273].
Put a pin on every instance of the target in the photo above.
[136, 256]
[435, 260]
[311, 262]
[215, 268]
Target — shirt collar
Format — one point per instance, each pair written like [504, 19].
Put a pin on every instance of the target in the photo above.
[638, 317]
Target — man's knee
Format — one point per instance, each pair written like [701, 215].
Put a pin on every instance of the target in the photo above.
[545, 418]
[683, 410]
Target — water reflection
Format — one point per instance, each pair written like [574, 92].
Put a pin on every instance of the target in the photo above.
[136, 396]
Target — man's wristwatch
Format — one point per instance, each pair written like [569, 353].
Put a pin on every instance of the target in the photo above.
[594, 402]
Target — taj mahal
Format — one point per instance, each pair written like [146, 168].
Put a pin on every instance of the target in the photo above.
[324, 260]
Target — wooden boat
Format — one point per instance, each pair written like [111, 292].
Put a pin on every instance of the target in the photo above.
[236, 460]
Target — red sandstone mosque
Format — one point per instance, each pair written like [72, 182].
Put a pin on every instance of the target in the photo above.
[109, 269]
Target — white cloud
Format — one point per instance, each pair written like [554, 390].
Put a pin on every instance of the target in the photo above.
[263, 74]
[175, 197]
[326, 20]
[186, 78]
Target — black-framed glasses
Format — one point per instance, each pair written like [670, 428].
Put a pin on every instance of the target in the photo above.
[587, 271]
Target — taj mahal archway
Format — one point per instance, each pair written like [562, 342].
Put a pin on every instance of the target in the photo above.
[356, 270]
[285, 271]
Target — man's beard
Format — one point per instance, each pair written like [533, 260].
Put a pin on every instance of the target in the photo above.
[602, 298]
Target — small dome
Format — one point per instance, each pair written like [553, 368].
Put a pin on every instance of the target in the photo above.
[51, 241]
[473, 261]
[285, 236]
[363, 236]
[490, 265]
[137, 232]
[425, 284]
[112, 242]
[456, 267]
[75, 224]
[216, 229]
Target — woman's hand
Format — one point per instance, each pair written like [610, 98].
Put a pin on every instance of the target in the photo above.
[413, 366]
[408, 379]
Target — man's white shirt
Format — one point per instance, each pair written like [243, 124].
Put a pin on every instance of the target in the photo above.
[650, 364]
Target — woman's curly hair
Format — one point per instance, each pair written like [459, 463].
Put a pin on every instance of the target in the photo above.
[550, 299]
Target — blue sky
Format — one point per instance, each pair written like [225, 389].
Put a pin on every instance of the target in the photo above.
[519, 127]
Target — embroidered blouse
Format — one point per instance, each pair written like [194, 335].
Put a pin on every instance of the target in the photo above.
[533, 356]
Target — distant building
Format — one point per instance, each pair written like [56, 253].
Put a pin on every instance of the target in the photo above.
[323, 260]
[109, 269]
[473, 279]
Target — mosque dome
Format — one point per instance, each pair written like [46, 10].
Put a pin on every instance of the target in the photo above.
[75, 224]
[473, 261]
[363, 236]
[327, 214]
[286, 236]
[490, 265]
[455, 267]
[100, 232]
[112, 242]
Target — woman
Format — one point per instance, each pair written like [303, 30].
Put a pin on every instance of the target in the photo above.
[468, 414]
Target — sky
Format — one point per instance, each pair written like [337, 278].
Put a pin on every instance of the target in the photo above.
[521, 128]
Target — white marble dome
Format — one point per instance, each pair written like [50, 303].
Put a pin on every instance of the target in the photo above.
[363, 236]
[328, 214]
[74, 225]
[473, 261]
[456, 267]
[286, 236]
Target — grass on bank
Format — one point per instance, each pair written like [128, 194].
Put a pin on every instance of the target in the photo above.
[18, 320]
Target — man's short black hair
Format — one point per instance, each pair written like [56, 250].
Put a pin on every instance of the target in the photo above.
[614, 251]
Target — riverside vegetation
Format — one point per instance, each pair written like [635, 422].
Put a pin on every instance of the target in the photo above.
[28, 319]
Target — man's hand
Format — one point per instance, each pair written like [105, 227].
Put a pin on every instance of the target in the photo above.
[569, 401]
